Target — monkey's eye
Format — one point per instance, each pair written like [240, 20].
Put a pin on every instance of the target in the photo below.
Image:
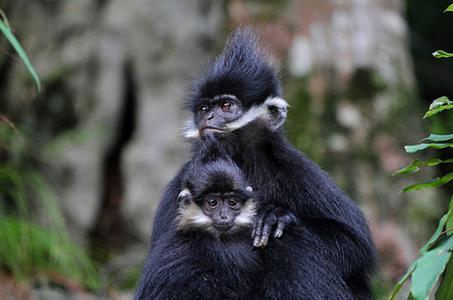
[225, 106]
[212, 202]
[203, 108]
[232, 203]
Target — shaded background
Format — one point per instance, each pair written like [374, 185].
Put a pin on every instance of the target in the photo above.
[103, 136]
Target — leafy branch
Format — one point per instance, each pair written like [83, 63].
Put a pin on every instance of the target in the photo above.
[434, 266]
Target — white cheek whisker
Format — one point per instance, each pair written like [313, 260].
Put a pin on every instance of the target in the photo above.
[190, 130]
[258, 112]
[247, 215]
[190, 215]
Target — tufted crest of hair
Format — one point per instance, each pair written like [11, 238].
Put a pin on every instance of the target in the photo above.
[243, 70]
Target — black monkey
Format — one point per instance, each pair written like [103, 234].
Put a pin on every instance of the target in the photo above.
[238, 103]
[210, 256]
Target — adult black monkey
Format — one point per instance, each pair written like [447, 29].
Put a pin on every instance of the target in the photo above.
[238, 103]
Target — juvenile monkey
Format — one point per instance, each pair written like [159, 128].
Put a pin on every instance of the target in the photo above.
[210, 256]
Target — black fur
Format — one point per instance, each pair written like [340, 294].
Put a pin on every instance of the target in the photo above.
[220, 176]
[195, 264]
[329, 253]
[241, 70]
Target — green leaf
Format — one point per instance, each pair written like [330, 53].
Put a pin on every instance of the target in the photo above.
[434, 238]
[445, 290]
[437, 106]
[423, 146]
[403, 279]
[439, 181]
[429, 268]
[415, 165]
[449, 225]
[449, 8]
[438, 138]
[442, 54]
[6, 30]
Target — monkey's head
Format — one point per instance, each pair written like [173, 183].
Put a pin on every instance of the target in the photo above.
[239, 88]
[215, 198]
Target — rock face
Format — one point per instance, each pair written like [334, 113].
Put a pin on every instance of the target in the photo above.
[107, 123]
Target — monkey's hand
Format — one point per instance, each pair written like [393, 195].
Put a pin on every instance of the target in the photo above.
[272, 217]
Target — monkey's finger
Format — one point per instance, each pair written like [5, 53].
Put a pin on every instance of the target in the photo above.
[257, 241]
[254, 228]
[266, 232]
[259, 226]
[279, 231]
[264, 240]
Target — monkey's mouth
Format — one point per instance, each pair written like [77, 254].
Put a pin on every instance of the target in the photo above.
[210, 129]
[223, 227]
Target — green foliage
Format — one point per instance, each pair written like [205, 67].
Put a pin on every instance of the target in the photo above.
[438, 105]
[435, 264]
[423, 146]
[436, 253]
[449, 8]
[6, 30]
[439, 181]
[29, 248]
[442, 54]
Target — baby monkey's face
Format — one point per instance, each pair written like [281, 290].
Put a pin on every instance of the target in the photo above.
[217, 213]
[222, 209]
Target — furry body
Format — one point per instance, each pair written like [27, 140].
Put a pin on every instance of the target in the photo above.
[327, 251]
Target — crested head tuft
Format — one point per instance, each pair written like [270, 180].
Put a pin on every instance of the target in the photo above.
[243, 70]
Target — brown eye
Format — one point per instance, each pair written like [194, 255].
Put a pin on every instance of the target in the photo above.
[225, 106]
[203, 108]
[232, 203]
[212, 202]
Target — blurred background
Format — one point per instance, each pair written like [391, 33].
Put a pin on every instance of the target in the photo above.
[82, 163]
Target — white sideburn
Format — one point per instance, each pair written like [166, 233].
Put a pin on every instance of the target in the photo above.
[190, 215]
[247, 215]
[254, 113]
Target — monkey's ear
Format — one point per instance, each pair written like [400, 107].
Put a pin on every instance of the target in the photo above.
[277, 111]
[185, 193]
[249, 189]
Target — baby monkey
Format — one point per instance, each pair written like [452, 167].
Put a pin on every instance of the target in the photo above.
[216, 199]
[210, 256]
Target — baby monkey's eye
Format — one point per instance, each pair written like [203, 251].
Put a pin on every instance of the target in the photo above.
[232, 203]
[212, 202]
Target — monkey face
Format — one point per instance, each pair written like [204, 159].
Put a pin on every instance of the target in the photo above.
[222, 211]
[223, 114]
[215, 213]
[212, 114]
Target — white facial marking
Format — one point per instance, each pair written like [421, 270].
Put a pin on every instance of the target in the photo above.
[190, 215]
[254, 113]
[191, 130]
[258, 112]
[247, 215]
[249, 189]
